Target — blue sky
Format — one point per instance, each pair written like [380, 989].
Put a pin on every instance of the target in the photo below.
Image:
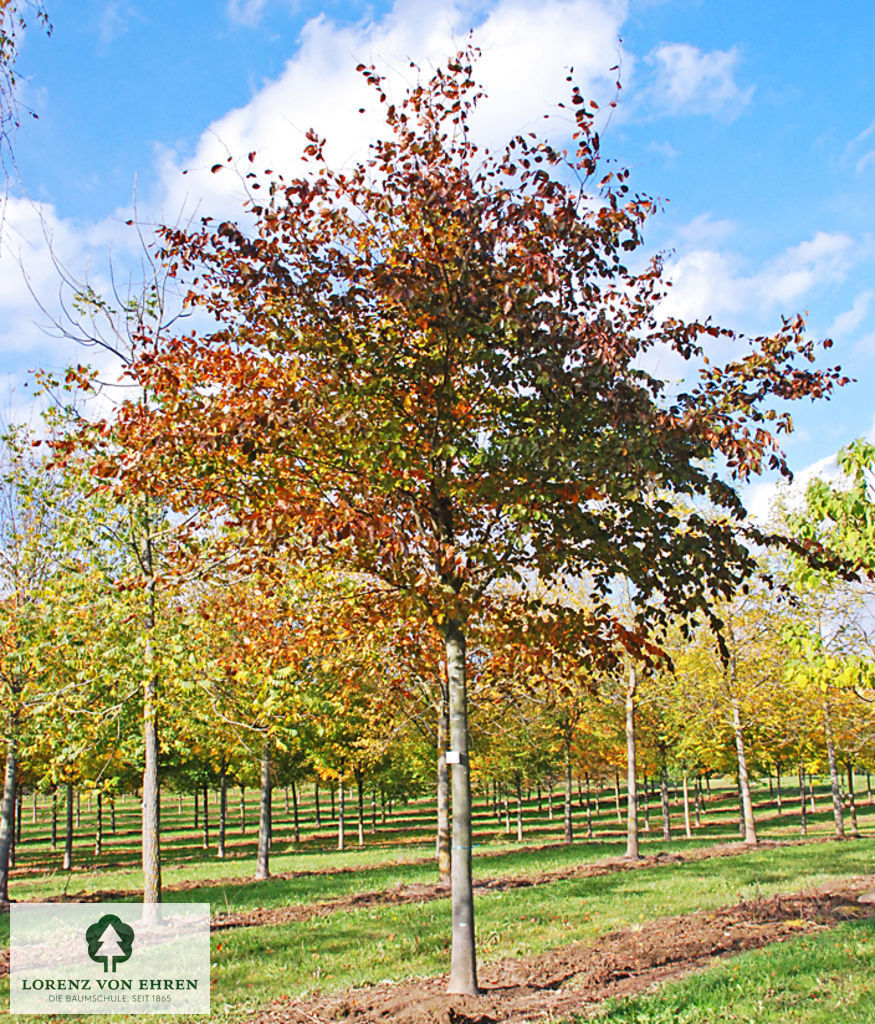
[755, 121]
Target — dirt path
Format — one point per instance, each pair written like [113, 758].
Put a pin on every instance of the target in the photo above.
[576, 978]
[424, 892]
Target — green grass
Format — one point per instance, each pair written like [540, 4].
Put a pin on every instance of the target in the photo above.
[824, 978]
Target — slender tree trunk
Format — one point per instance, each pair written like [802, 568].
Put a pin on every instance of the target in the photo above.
[803, 824]
[262, 861]
[442, 843]
[506, 813]
[519, 809]
[112, 814]
[540, 806]
[463, 963]
[588, 809]
[78, 808]
[837, 812]
[98, 828]
[341, 838]
[151, 798]
[242, 810]
[688, 829]
[852, 801]
[206, 818]
[698, 801]
[778, 787]
[632, 851]
[16, 829]
[373, 810]
[550, 800]
[750, 832]
[68, 834]
[869, 785]
[666, 810]
[811, 805]
[197, 817]
[617, 795]
[223, 813]
[569, 826]
[295, 816]
[382, 805]
[7, 813]
[645, 802]
[360, 793]
[286, 794]
[18, 812]
[33, 810]
[54, 818]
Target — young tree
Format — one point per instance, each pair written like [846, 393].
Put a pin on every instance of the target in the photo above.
[428, 368]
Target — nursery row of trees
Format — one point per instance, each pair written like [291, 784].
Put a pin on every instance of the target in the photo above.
[398, 445]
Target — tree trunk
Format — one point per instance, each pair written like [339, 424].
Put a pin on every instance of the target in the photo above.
[68, 834]
[442, 845]
[689, 831]
[803, 824]
[112, 814]
[645, 802]
[869, 785]
[812, 805]
[617, 796]
[16, 828]
[778, 787]
[206, 818]
[340, 817]
[569, 827]
[837, 812]
[286, 794]
[852, 802]
[463, 963]
[698, 801]
[223, 813]
[197, 817]
[7, 813]
[750, 832]
[33, 809]
[262, 861]
[373, 810]
[242, 810]
[588, 809]
[506, 814]
[295, 816]
[54, 818]
[519, 809]
[666, 810]
[18, 812]
[150, 825]
[550, 800]
[632, 851]
[98, 828]
[360, 792]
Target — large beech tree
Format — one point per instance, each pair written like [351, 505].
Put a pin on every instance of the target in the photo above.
[429, 367]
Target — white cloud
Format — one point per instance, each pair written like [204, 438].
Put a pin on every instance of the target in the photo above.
[526, 55]
[846, 323]
[245, 12]
[708, 281]
[690, 81]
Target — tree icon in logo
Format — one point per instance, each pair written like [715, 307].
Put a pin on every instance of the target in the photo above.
[110, 941]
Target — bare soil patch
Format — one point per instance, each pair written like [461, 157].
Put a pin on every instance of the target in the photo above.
[576, 978]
